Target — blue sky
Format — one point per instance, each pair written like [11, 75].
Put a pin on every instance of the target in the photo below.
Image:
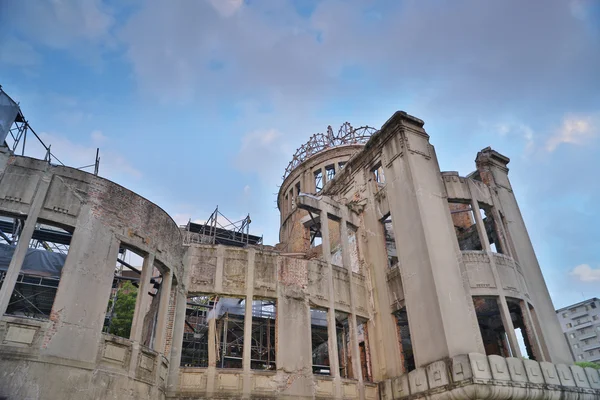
[199, 103]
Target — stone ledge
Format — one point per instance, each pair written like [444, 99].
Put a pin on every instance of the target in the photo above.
[476, 376]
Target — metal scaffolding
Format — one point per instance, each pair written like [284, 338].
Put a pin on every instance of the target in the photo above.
[319, 142]
[15, 128]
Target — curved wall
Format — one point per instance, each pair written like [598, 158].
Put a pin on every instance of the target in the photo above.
[291, 232]
[103, 216]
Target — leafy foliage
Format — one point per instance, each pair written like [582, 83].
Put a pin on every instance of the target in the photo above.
[585, 364]
[123, 310]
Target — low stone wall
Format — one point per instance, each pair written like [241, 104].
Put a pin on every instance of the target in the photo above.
[476, 376]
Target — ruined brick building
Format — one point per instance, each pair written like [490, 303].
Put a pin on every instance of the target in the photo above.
[392, 280]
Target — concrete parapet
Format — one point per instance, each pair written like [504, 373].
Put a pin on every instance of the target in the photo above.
[476, 376]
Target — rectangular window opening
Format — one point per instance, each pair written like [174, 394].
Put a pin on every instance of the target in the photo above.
[341, 164]
[125, 287]
[335, 242]
[465, 226]
[342, 329]
[230, 313]
[363, 349]
[330, 172]
[378, 174]
[353, 250]
[491, 228]
[318, 180]
[390, 241]
[264, 317]
[194, 349]
[404, 340]
[319, 341]
[37, 283]
[491, 326]
[151, 317]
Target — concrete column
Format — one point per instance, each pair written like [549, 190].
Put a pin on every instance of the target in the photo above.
[163, 312]
[331, 331]
[352, 319]
[531, 332]
[493, 170]
[83, 291]
[247, 384]
[502, 305]
[12, 273]
[177, 339]
[385, 353]
[439, 308]
[141, 302]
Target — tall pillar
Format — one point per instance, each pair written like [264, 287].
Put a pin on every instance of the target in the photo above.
[177, 339]
[331, 331]
[493, 170]
[163, 312]
[437, 303]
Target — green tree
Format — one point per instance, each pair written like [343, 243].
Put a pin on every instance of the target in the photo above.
[123, 311]
[585, 364]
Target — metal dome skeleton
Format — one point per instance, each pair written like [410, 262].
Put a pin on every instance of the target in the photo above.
[320, 142]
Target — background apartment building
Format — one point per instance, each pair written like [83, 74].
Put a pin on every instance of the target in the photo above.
[581, 324]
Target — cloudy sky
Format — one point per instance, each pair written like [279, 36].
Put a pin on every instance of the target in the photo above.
[199, 103]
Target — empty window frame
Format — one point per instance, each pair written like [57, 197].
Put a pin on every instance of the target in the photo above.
[194, 348]
[291, 199]
[125, 290]
[318, 180]
[344, 344]
[353, 250]
[378, 176]
[362, 336]
[39, 276]
[335, 241]
[404, 340]
[229, 313]
[319, 342]
[523, 331]
[341, 164]
[390, 241]
[330, 172]
[491, 228]
[495, 339]
[298, 188]
[262, 350]
[465, 226]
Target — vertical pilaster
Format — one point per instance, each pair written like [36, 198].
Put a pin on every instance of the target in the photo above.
[331, 331]
[177, 339]
[493, 170]
[436, 301]
[163, 312]
[141, 307]
[352, 320]
[247, 384]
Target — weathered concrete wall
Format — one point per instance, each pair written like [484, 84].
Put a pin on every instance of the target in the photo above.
[68, 356]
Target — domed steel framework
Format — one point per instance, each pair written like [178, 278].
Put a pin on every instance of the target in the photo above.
[320, 142]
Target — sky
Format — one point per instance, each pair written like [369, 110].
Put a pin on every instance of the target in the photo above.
[195, 104]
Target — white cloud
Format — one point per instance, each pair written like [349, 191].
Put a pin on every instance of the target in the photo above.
[585, 273]
[263, 152]
[113, 164]
[227, 7]
[576, 130]
[98, 137]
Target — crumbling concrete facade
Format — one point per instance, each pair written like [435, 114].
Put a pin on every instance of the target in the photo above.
[391, 280]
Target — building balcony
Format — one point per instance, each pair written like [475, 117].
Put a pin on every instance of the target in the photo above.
[582, 325]
[578, 314]
[591, 347]
[588, 336]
